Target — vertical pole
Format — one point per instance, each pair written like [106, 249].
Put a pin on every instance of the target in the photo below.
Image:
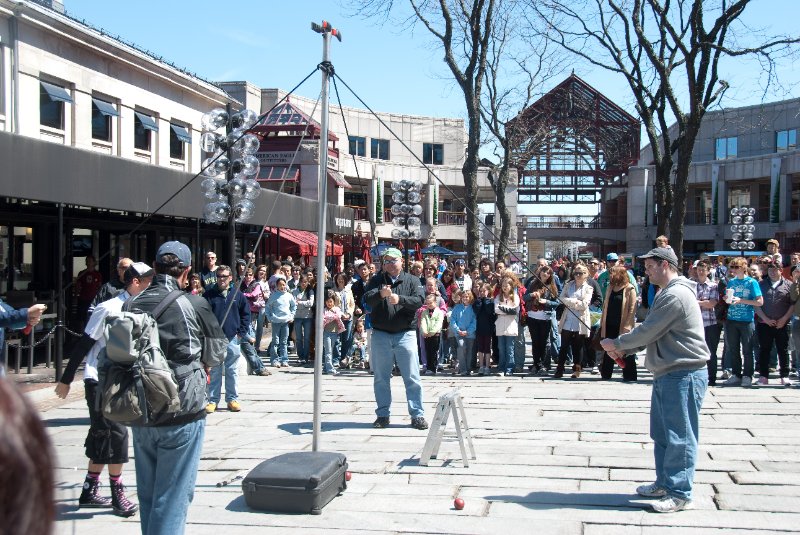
[231, 215]
[322, 222]
[60, 306]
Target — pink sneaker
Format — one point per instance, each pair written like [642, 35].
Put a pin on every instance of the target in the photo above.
[763, 380]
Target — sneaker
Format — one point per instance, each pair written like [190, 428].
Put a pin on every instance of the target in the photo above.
[121, 504]
[263, 372]
[419, 423]
[381, 422]
[732, 380]
[211, 407]
[508, 374]
[594, 371]
[430, 372]
[747, 381]
[541, 372]
[651, 491]
[671, 504]
[726, 374]
[785, 381]
[234, 406]
[90, 496]
[762, 380]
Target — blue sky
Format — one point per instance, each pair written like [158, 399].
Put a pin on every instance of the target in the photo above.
[394, 69]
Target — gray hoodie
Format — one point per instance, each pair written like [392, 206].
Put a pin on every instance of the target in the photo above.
[673, 331]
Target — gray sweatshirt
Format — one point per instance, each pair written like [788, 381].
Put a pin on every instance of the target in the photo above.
[673, 331]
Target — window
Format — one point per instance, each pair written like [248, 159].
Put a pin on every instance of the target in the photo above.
[143, 124]
[379, 149]
[725, 148]
[178, 135]
[433, 153]
[785, 140]
[358, 145]
[738, 197]
[51, 104]
[794, 208]
[102, 112]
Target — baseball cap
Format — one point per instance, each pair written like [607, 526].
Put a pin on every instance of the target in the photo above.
[773, 240]
[358, 263]
[178, 249]
[662, 253]
[460, 262]
[137, 270]
[393, 252]
[612, 256]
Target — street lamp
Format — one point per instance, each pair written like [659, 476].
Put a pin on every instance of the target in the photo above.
[230, 185]
[406, 211]
[742, 228]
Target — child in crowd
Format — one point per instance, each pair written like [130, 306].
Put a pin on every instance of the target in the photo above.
[506, 306]
[484, 320]
[280, 310]
[430, 322]
[462, 327]
[358, 351]
[332, 326]
[195, 288]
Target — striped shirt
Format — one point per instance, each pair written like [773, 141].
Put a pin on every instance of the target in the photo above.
[705, 292]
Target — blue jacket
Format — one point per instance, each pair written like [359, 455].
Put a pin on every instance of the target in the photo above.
[238, 320]
[14, 319]
[281, 307]
[463, 319]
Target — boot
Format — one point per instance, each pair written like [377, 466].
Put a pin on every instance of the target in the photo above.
[559, 371]
[90, 496]
[576, 371]
[122, 505]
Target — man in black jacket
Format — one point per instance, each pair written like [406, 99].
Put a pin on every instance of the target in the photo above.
[168, 452]
[394, 298]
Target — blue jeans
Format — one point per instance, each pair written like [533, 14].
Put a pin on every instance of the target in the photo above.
[519, 349]
[463, 352]
[302, 335]
[675, 428]
[231, 375]
[260, 322]
[277, 349]
[327, 351]
[250, 354]
[506, 346]
[342, 348]
[388, 348]
[739, 339]
[166, 470]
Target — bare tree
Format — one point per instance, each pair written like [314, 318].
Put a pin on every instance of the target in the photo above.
[463, 28]
[512, 81]
[663, 48]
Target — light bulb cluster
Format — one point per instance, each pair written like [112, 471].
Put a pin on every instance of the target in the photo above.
[229, 178]
[406, 210]
[743, 228]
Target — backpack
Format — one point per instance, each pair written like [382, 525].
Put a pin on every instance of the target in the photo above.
[136, 383]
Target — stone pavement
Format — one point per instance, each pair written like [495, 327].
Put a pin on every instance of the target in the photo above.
[554, 456]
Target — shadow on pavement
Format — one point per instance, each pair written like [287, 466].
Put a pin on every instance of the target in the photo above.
[66, 422]
[558, 500]
[304, 428]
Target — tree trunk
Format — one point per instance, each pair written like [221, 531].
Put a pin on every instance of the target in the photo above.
[502, 210]
[663, 189]
[470, 173]
[680, 192]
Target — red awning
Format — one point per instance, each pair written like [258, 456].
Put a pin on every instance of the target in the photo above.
[338, 179]
[305, 242]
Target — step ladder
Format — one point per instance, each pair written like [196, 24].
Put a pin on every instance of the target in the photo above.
[449, 403]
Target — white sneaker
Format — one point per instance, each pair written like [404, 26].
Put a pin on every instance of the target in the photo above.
[594, 371]
[732, 381]
[747, 381]
[671, 504]
[726, 374]
[763, 380]
[785, 381]
[651, 491]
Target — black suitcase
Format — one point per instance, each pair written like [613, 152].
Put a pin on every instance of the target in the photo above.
[299, 482]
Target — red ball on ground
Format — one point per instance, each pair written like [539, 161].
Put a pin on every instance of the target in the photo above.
[347, 476]
[458, 503]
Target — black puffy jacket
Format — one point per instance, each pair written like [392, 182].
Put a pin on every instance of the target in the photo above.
[394, 318]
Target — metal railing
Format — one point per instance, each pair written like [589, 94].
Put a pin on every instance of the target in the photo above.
[591, 222]
[700, 217]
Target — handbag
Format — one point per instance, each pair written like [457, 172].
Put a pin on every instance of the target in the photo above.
[596, 340]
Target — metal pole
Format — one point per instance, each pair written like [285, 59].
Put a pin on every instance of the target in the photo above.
[231, 215]
[60, 319]
[322, 218]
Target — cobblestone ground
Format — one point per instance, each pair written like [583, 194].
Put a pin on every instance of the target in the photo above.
[553, 456]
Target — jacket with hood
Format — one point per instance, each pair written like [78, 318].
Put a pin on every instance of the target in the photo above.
[673, 331]
[281, 307]
[394, 318]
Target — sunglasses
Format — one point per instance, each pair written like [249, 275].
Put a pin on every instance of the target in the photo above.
[391, 260]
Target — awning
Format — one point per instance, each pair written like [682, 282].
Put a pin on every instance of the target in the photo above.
[305, 242]
[278, 173]
[181, 132]
[148, 123]
[56, 92]
[338, 179]
[106, 108]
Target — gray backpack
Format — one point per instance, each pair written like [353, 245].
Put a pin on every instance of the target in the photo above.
[136, 383]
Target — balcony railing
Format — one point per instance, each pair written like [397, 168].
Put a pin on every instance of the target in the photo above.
[452, 218]
[597, 222]
[360, 212]
[698, 218]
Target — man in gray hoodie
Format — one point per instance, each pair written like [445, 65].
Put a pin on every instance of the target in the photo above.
[676, 354]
